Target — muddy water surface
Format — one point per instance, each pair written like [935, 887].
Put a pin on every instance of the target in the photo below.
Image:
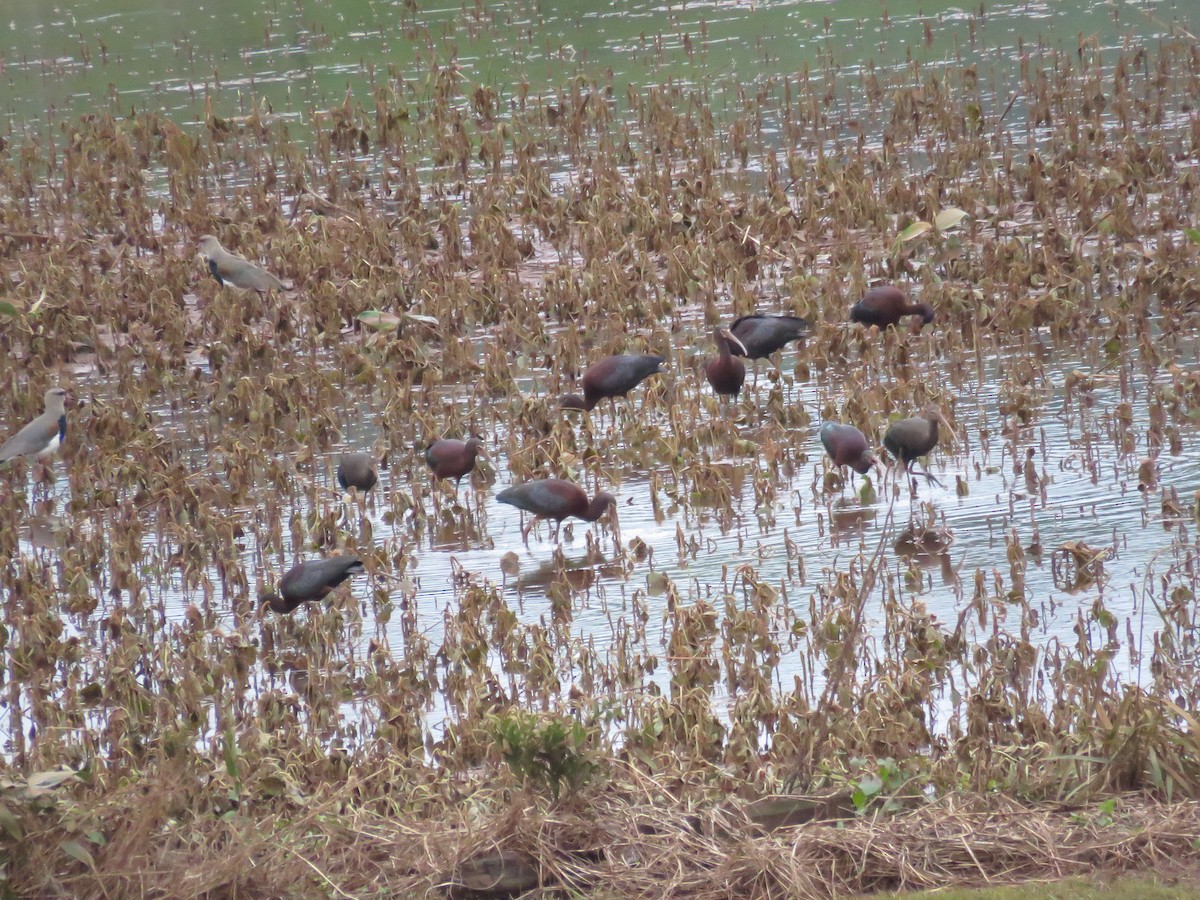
[1018, 484]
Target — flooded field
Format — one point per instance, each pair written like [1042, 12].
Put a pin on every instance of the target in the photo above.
[468, 206]
[128, 56]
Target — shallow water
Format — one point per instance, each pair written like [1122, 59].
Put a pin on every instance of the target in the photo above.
[123, 55]
[1090, 495]
[1090, 483]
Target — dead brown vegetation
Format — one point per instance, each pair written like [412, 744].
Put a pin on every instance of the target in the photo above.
[163, 740]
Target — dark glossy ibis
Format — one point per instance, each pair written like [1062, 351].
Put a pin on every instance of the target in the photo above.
[885, 305]
[726, 373]
[762, 335]
[554, 498]
[910, 439]
[450, 458]
[44, 434]
[357, 470]
[612, 377]
[228, 267]
[847, 446]
[311, 580]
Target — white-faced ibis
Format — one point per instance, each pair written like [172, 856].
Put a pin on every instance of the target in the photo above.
[726, 373]
[885, 305]
[762, 335]
[554, 498]
[228, 267]
[847, 446]
[357, 470]
[612, 377]
[450, 458]
[44, 434]
[910, 439]
[311, 580]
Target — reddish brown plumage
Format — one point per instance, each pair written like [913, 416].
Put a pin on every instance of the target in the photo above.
[613, 376]
[885, 305]
[847, 446]
[450, 458]
[555, 498]
[726, 374]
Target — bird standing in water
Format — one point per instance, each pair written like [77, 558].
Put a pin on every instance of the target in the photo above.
[847, 446]
[43, 435]
[761, 335]
[311, 580]
[357, 470]
[450, 458]
[612, 377]
[726, 374]
[555, 498]
[228, 267]
[885, 305]
[909, 439]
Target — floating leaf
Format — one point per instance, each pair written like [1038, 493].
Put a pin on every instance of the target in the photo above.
[10, 823]
[230, 749]
[424, 320]
[949, 218]
[77, 851]
[870, 785]
[91, 693]
[45, 781]
[914, 231]
[866, 493]
[37, 304]
[381, 321]
[272, 786]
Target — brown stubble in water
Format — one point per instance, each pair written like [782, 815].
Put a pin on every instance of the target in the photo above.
[199, 462]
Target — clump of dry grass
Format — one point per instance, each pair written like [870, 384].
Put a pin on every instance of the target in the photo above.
[617, 843]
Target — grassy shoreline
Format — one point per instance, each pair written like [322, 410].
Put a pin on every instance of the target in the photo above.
[601, 843]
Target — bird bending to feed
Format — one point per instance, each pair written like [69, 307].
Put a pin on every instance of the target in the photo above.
[226, 266]
[885, 305]
[44, 434]
[612, 377]
[847, 446]
[910, 439]
[311, 580]
[449, 458]
[760, 335]
[726, 374]
[357, 470]
[554, 498]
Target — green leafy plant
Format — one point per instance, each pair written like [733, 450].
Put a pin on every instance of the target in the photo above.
[550, 750]
[881, 778]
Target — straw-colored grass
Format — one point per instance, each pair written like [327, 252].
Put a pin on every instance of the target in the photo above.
[616, 844]
[1141, 886]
